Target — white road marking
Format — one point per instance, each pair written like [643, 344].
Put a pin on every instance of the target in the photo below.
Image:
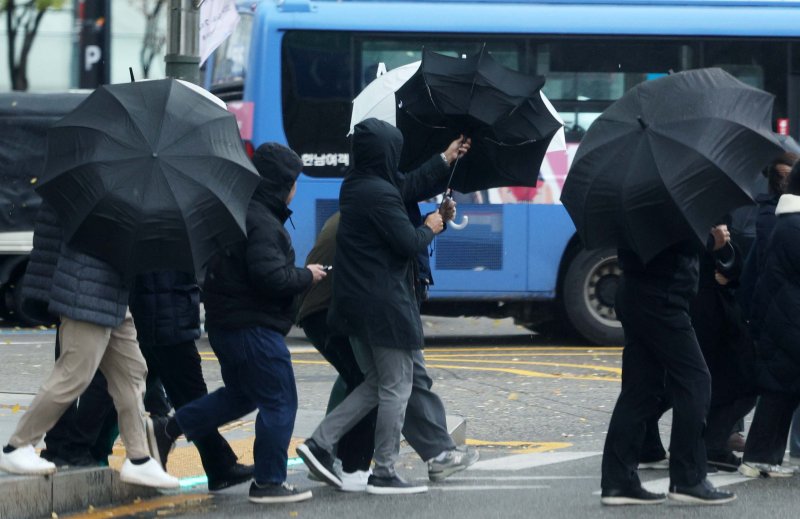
[519, 478]
[470, 488]
[526, 461]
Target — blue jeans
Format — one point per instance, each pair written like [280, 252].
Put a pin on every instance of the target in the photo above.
[257, 371]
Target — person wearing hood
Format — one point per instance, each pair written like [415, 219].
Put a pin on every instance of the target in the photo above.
[248, 296]
[776, 332]
[374, 303]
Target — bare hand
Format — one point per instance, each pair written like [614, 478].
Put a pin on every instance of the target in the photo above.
[317, 271]
[448, 209]
[721, 236]
[457, 149]
[719, 278]
[435, 222]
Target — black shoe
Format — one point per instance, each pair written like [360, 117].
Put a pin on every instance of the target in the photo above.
[79, 459]
[233, 475]
[702, 493]
[283, 493]
[727, 463]
[634, 496]
[319, 462]
[159, 441]
[392, 485]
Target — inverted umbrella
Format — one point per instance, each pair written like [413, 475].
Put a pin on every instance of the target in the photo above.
[669, 159]
[149, 175]
[500, 109]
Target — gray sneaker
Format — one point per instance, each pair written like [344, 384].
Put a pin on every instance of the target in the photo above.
[752, 469]
[454, 461]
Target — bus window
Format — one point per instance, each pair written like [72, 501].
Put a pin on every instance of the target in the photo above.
[229, 61]
[585, 76]
[761, 64]
[394, 53]
[317, 73]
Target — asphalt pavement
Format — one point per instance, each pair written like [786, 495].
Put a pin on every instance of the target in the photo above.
[536, 410]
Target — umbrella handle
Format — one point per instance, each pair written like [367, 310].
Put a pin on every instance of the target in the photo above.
[459, 226]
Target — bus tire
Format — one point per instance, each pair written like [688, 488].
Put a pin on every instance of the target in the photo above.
[587, 296]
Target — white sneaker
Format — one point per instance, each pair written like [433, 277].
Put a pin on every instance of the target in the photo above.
[149, 474]
[753, 469]
[24, 460]
[355, 481]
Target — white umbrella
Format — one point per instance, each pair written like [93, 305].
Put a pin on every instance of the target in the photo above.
[559, 140]
[377, 98]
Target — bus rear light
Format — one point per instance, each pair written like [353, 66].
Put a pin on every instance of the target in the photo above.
[249, 148]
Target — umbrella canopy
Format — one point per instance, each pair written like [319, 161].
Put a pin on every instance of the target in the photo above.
[789, 144]
[377, 99]
[149, 175]
[669, 159]
[500, 109]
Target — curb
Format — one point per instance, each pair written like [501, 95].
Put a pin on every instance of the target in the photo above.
[31, 497]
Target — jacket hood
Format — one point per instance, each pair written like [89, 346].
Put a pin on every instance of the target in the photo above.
[788, 204]
[376, 149]
[279, 168]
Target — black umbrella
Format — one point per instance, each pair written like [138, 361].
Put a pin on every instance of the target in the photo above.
[149, 175]
[668, 160]
[500, 109]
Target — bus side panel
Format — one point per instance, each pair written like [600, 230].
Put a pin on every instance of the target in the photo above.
[485, 258]
[551, 229]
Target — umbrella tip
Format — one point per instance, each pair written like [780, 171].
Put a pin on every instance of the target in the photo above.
[130, 70]
[641, 122]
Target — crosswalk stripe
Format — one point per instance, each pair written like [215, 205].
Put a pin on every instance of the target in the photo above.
[526, 461]
[489, 487]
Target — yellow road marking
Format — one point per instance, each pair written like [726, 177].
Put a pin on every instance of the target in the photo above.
[521, 447]
[532, 354]
[527, 373]
[144, 506]
[533, 363]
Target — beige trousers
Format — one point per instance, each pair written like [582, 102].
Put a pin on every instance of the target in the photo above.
[85, 347]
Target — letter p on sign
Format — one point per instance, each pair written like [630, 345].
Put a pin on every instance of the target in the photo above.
[92, 55]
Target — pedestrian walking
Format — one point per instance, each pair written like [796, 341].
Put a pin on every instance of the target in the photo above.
[375, 305]
[777, 334]
[249, 291]
[96, 331]
[653, 306]
[166, 310]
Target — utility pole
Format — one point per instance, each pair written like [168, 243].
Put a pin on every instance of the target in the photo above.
[183, 45]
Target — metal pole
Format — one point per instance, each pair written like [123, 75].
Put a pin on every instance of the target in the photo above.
[183, 45]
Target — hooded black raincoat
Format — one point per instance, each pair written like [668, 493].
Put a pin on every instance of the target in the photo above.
[376, 247]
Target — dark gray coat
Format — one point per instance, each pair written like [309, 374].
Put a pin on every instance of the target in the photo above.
[72, 284]
[376, 247]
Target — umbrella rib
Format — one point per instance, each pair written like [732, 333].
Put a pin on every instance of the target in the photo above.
[177, 140]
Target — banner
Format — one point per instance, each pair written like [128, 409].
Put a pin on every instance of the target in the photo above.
[218, 19]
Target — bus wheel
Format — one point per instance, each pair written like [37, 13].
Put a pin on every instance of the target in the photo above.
[587, 296]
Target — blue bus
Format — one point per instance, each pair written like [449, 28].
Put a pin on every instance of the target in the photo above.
[293, 67]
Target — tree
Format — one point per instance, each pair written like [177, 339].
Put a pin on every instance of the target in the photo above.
[23, 17]
[154, 38]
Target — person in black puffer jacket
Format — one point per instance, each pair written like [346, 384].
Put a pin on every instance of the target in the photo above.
[248, 293]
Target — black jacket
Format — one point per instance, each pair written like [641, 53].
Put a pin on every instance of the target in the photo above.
[776, 304]
[376, 247]
[675, 272]
[254, 283]
[166, 308]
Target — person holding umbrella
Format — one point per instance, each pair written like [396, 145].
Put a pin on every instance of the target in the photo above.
[249, 291]
[375, 305]
[96, 332]
[655, 172]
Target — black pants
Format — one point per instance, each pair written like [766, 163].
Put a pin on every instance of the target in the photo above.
[768, 434]
[355, 448]
[178, 368]
[659, 338]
